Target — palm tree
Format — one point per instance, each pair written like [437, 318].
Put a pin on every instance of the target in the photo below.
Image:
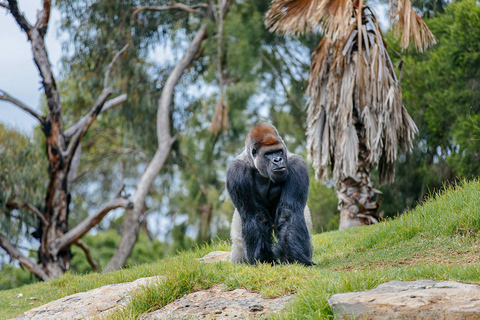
[356, 119]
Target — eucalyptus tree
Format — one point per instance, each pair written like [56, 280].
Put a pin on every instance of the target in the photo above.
[62, 153]
[356, 119]
[137, 23]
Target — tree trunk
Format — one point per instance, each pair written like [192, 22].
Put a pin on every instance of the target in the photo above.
[56, 212]
[355, 194]
[61, 147]
[132, 222]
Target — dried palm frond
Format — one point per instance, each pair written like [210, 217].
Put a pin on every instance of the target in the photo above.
[410, 25]
[355, 97]
[331, 17]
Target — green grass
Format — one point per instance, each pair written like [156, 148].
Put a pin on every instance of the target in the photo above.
[438, 240]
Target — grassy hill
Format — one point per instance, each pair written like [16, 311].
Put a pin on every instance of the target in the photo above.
[439, 240]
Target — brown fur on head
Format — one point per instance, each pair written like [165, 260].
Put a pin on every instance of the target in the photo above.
[263, 135]
[264, 139]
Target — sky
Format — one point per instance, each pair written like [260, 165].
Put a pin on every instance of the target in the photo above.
[19, 76]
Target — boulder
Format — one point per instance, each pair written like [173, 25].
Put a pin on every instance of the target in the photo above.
[219, 303]
[86, 305]
[421, 299]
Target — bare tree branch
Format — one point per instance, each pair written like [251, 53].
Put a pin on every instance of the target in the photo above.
[27, 263]
[74, 164]
[83, 227]
[225, 8]
[118, 194]
[36, 212]
[44, 16]
[90, 118]
[112, 103]
[174, 6]
[107, 106]
[6, 97]
[85, 249]
[15, 206]
[22, 22]
[5, 5]
[109, 68]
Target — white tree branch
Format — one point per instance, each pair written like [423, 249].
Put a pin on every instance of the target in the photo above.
[83, 227]
[6, 97]
[109, 68]
[27, 263]
[89, 119]
[165, 142]
[110, 104]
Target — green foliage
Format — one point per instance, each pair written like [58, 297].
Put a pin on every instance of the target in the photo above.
[430, 8]
[322, 203]
[441, 93]
[23, 176]
[102, 247]
[13, 276]
[441, 90]
[435, 241]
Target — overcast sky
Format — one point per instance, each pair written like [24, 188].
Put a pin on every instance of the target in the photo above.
[18, 73]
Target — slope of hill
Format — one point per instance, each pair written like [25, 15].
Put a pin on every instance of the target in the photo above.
[439, 240]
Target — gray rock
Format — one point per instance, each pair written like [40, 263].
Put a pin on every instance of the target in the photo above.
[219, 303]
[90, 304]
[216, 256]
[422, 299]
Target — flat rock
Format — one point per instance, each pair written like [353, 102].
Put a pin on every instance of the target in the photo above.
[85, 305]
[421, 299]
[219, 303]
[216, 256]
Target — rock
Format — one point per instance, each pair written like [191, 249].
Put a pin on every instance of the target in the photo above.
[216, 256]
[422, 299]
[218, 303]
[86, 305]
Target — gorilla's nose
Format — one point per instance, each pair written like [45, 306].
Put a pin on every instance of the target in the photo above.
[277, 159]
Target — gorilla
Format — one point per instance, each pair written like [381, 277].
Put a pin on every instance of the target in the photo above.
[269, 188]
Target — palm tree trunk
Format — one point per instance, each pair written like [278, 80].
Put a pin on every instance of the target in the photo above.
[355, 194]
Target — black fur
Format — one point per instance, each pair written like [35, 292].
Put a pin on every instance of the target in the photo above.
[267, 205]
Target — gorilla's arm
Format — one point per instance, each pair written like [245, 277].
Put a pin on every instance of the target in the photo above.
[293, 236]
[256, 226]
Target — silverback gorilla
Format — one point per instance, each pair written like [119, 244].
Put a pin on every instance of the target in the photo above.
[269, 187]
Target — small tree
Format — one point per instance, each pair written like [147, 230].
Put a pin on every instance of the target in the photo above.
[356, 119]
[63, 154]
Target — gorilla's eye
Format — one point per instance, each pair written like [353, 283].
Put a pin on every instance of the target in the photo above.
[254, 151]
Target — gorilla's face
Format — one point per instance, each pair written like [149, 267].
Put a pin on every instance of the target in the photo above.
[271, 162]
